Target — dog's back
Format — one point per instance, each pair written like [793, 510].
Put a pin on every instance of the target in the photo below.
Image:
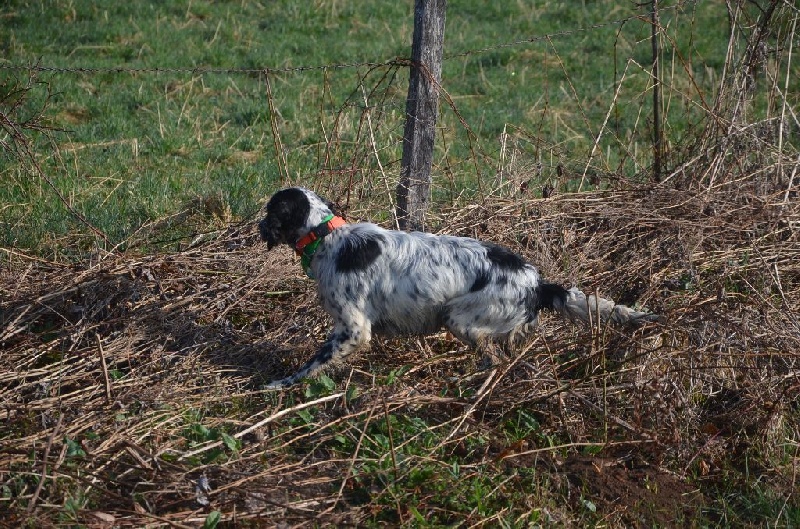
[416, 283]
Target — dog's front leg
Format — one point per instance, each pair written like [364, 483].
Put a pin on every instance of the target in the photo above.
[343, 340]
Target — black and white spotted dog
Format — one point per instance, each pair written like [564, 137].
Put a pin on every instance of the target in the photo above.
[373, 280]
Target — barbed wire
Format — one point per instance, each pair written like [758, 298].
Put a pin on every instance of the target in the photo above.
[199, 70]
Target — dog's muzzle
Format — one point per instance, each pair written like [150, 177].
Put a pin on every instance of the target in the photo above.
[268, 233]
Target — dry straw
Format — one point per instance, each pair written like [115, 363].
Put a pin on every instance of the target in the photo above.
[108, 366]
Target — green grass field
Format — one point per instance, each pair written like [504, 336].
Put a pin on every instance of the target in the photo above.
[137, 147]
[140, 316]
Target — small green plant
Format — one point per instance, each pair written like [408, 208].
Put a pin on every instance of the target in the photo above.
[198, 434]
[521, 425]
[74, 448]
[321, 386]
[72, 507]
[305, 417]
[352, 394]
[212, 520]
[395, 374]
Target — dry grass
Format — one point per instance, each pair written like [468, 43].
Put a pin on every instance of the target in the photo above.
[128, 380]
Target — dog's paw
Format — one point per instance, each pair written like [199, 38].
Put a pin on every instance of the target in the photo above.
[280, 384]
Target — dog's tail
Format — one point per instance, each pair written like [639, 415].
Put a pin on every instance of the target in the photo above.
[576, 306]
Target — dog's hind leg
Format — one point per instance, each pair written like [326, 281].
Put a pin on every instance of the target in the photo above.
[488, 324]
[475, 317]
[345, 338]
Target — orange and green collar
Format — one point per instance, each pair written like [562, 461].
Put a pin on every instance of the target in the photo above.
[307, 245]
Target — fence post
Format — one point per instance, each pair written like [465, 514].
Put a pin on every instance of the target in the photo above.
[421, 108]
[658, 136]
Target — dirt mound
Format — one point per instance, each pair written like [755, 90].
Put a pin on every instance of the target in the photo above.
[638, 494]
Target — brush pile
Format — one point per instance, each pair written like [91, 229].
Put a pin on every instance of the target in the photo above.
[130, 385]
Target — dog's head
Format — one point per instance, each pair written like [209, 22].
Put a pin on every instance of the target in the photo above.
[291, 213]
